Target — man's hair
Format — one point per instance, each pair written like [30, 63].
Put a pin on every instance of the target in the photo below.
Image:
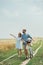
[24, 30]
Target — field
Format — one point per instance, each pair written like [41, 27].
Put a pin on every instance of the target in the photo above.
[38, 59]
[7, 49]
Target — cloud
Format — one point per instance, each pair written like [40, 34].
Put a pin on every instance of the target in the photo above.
[9, 13]
[34, 10]
[11, 1]
[6, 12]
[37, 11]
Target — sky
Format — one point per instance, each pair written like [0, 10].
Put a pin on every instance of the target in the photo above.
[16, 15]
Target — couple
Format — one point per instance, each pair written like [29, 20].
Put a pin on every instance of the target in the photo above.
[23, 42]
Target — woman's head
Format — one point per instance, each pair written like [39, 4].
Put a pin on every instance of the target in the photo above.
[19, 34]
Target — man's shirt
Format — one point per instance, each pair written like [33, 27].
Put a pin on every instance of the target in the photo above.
[25, 37]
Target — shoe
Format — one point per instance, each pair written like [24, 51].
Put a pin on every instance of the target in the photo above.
[31, 56]
[26, 58]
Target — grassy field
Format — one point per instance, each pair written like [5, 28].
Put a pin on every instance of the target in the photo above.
[11, 50]
[38, 59]
[7, 48]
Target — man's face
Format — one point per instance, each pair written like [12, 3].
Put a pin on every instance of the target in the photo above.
[24, 31]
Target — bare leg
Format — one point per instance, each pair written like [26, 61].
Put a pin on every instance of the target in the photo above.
[26, 51]
[20, 52]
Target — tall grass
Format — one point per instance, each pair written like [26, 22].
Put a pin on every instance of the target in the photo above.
[7, 44]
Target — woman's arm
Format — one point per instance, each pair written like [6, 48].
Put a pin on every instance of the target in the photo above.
[13, 36]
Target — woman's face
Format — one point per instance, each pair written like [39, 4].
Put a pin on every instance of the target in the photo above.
[19, 35]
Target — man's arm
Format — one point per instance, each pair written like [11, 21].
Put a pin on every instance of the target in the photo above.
[29, 36]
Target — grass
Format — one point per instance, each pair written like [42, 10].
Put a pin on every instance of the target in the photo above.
[38, 59]
[36, 45]
[6, 54]
[7, 48]
[15, 60]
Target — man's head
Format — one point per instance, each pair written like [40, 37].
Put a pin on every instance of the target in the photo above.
[24, 31]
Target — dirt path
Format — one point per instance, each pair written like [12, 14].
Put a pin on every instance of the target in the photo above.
[26, 61]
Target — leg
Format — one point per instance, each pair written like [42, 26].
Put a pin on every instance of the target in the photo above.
[31, 52]
[26, 51]
[20, 52]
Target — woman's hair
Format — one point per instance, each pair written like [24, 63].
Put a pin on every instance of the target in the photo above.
[19, 34]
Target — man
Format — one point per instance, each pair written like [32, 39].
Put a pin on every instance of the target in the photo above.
[25, 40]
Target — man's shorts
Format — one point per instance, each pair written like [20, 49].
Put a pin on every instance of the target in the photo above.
[24, 45]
